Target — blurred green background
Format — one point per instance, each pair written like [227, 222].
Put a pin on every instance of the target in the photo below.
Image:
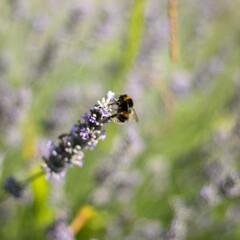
[174, 175]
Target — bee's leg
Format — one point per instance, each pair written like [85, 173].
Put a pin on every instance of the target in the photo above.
[114, 103]
[114, 115]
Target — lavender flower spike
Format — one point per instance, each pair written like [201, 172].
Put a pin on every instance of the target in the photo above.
[84, 134]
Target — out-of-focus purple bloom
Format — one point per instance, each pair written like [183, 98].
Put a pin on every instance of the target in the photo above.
[76, 14]
[59, 231]
[116, 179]
[179, 225]
[13, 187]
[40, 22]
[82, 135]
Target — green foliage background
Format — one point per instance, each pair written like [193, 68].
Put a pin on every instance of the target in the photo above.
[175, 174]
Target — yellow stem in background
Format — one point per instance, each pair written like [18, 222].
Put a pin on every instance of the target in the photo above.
[173, 46]
[84, 214]
[29, 146]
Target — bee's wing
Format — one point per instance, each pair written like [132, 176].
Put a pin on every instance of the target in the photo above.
[134, 115]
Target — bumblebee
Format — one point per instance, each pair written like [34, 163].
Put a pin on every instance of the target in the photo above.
[124, 109]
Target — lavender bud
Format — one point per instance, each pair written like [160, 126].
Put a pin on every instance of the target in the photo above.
[84, 134]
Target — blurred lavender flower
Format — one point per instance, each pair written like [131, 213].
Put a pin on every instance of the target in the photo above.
[82, 135]
[59, 231]
[75, 16]
[13, 187]
[116, 180]
[16, 8]
[13, 103]
[46, 59]
[179, 225]
[230, 185]
[227, 186]
[146, 229]
[180, 84]
[40, 22]
[210, 194]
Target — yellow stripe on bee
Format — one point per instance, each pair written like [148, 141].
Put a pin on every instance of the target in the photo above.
[125, 114]
[127, 98]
